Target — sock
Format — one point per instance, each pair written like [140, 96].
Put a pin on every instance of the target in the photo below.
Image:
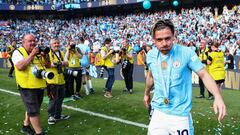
[85, 87]
[90, 84]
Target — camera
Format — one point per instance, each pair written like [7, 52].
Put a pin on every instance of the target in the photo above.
[59, 67]
[124, 63]
[71, 72]
[40, 73]
[72, 47]
[101, 72]
[116, 49]
[124, 50]
[44, 49]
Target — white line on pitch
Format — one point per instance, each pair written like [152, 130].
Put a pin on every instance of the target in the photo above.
[93, 113]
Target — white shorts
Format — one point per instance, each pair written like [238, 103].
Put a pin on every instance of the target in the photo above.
[164, 124]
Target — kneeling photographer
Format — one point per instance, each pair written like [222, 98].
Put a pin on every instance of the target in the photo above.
[29, 60]
[127, 65]
[56, 85]
[73, 71]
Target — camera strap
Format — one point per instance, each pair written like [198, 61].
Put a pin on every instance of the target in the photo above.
[59, 59]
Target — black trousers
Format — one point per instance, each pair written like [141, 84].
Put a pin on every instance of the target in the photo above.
[56, 96]
[202, 87]
[128, 76]
[12, 67]
[69, 91]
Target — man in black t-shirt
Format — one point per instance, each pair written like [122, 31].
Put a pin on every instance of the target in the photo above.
[229, 60]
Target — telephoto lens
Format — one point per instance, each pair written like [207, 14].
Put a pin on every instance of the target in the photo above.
[71, 72]
[40, 73]
[46, 74]
[101, 72]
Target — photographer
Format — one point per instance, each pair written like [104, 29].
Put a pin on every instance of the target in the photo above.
[107, 55]
[216, 69]
[31, 88]
[202, 53]
[127, 65]
[55, 86]
[10, 49]
[73, 71]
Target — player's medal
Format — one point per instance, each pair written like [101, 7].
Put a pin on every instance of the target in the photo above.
[164, 65]
[165, 75]
[166, 101]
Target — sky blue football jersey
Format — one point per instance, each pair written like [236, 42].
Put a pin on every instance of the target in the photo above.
[172, 75]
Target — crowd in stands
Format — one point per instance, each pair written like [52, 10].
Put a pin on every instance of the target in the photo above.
[192, 26]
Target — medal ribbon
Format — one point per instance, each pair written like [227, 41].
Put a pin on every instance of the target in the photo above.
[166, 82]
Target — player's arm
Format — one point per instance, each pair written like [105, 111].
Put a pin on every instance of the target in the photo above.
[149, 85]
[218, 105]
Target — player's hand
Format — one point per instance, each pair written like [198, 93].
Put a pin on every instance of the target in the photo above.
[219, 108]
[146, 100]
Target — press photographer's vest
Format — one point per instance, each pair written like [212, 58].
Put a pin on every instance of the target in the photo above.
[216, 68]
[73, 60]
[58, 78]
[125, 56]
[10, 50]
[203, 56]
[25, 78]
[108, 62]
[99, 60]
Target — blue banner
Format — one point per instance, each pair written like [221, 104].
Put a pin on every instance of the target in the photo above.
[68, 6]
[26, 7]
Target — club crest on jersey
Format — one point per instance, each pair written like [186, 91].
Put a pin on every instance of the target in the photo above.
[176, 64]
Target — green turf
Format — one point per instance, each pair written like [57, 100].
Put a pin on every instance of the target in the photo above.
[123, 105]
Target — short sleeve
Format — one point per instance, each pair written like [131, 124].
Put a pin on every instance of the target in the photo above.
[194, 62]
[16, 57]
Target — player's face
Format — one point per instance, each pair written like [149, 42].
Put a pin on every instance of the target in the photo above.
[163, 40]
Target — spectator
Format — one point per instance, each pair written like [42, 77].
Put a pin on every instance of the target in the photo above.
[229, 60]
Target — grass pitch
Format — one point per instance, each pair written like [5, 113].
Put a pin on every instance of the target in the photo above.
[122, 105]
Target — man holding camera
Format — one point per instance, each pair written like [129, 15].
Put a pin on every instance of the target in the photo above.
[31, 88]
[73, 71]
[10, 49]
[55, 86]
[203, 55]
[127, 65]
[107, 55]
